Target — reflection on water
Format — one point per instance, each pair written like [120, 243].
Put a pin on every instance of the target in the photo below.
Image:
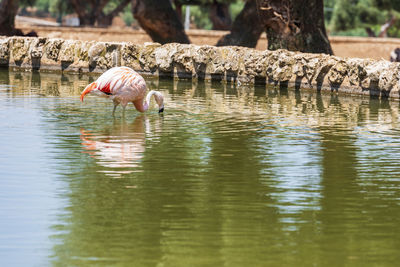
[228, 176]
[120, 147]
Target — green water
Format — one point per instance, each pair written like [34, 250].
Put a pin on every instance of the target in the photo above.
[226, 177]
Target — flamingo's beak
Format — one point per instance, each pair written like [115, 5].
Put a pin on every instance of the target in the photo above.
[88, 89]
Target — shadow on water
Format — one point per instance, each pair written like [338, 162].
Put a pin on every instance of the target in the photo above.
[229, 175]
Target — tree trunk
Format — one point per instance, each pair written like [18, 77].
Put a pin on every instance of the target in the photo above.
[246, 28]
[85, 18]
[90, 12]
[296, 25]
[159, 20]
[8, 11]
[220, 16]
[106, 20]
[178, 9]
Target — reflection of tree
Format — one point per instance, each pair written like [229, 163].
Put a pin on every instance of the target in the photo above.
[378, 173]
[354, 210]
[5, 76]
[34, 83]
[348, 211]
[236, 190]
[339, 174]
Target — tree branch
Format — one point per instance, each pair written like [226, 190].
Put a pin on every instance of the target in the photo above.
[385, 27]
[119, 8]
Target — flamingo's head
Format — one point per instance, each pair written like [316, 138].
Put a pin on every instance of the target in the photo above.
[88, 89]
[160, 101]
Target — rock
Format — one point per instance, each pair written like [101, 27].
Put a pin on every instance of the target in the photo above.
[130, 55]
[164, 57]
[19, 49]
[67, 52]
[53, 48]
[4, 52]
[36, 49]
[147, 59]
[183, 59]
[337, 73]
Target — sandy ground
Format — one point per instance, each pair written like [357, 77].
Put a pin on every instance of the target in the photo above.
[376, 48]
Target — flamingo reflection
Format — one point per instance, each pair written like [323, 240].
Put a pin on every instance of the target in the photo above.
[120, 147]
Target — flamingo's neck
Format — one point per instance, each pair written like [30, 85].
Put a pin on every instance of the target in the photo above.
[145, 106]
[146, 103]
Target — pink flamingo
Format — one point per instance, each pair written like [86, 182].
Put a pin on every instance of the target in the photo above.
[124, 85]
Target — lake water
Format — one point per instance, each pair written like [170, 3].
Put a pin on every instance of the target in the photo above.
[225, 177]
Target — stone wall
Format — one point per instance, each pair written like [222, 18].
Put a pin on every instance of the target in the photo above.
[231, 64]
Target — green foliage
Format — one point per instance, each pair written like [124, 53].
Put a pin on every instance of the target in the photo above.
[25, 3]
[352, 32]
[394, 31]
[200, 16]
[43, 5]
[111, 5]
[387, 4]
[351, 17]
[59, 8]
[53, 7]
[198, 9]
[203, 2]
[344, 15]
[235, 8]
[127, 15]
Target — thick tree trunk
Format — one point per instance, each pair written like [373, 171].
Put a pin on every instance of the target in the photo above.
[246, 28]
[85, 18]
[178, 9]
[159, 20]
[8, 11]
[296, 25]
[220, 16]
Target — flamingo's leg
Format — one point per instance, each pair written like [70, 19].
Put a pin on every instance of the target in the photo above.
[123, 108]
[115, 107]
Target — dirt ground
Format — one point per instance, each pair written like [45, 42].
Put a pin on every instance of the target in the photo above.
[360, 47]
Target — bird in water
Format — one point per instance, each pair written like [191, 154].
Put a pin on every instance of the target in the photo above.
[124, 85]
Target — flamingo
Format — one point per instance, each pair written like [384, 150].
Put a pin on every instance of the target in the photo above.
[124, 85]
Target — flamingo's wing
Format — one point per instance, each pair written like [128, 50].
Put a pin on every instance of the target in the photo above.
[106, 88]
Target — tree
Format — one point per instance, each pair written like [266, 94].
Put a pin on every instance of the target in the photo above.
[218, 11]
[289, 24]
[374, 18]
[159, 20]
[295, 25]
[92, 12]
[246, 29]
[220, 16]
[8, 11]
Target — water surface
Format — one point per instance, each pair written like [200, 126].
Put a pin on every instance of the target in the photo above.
[226, 177]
